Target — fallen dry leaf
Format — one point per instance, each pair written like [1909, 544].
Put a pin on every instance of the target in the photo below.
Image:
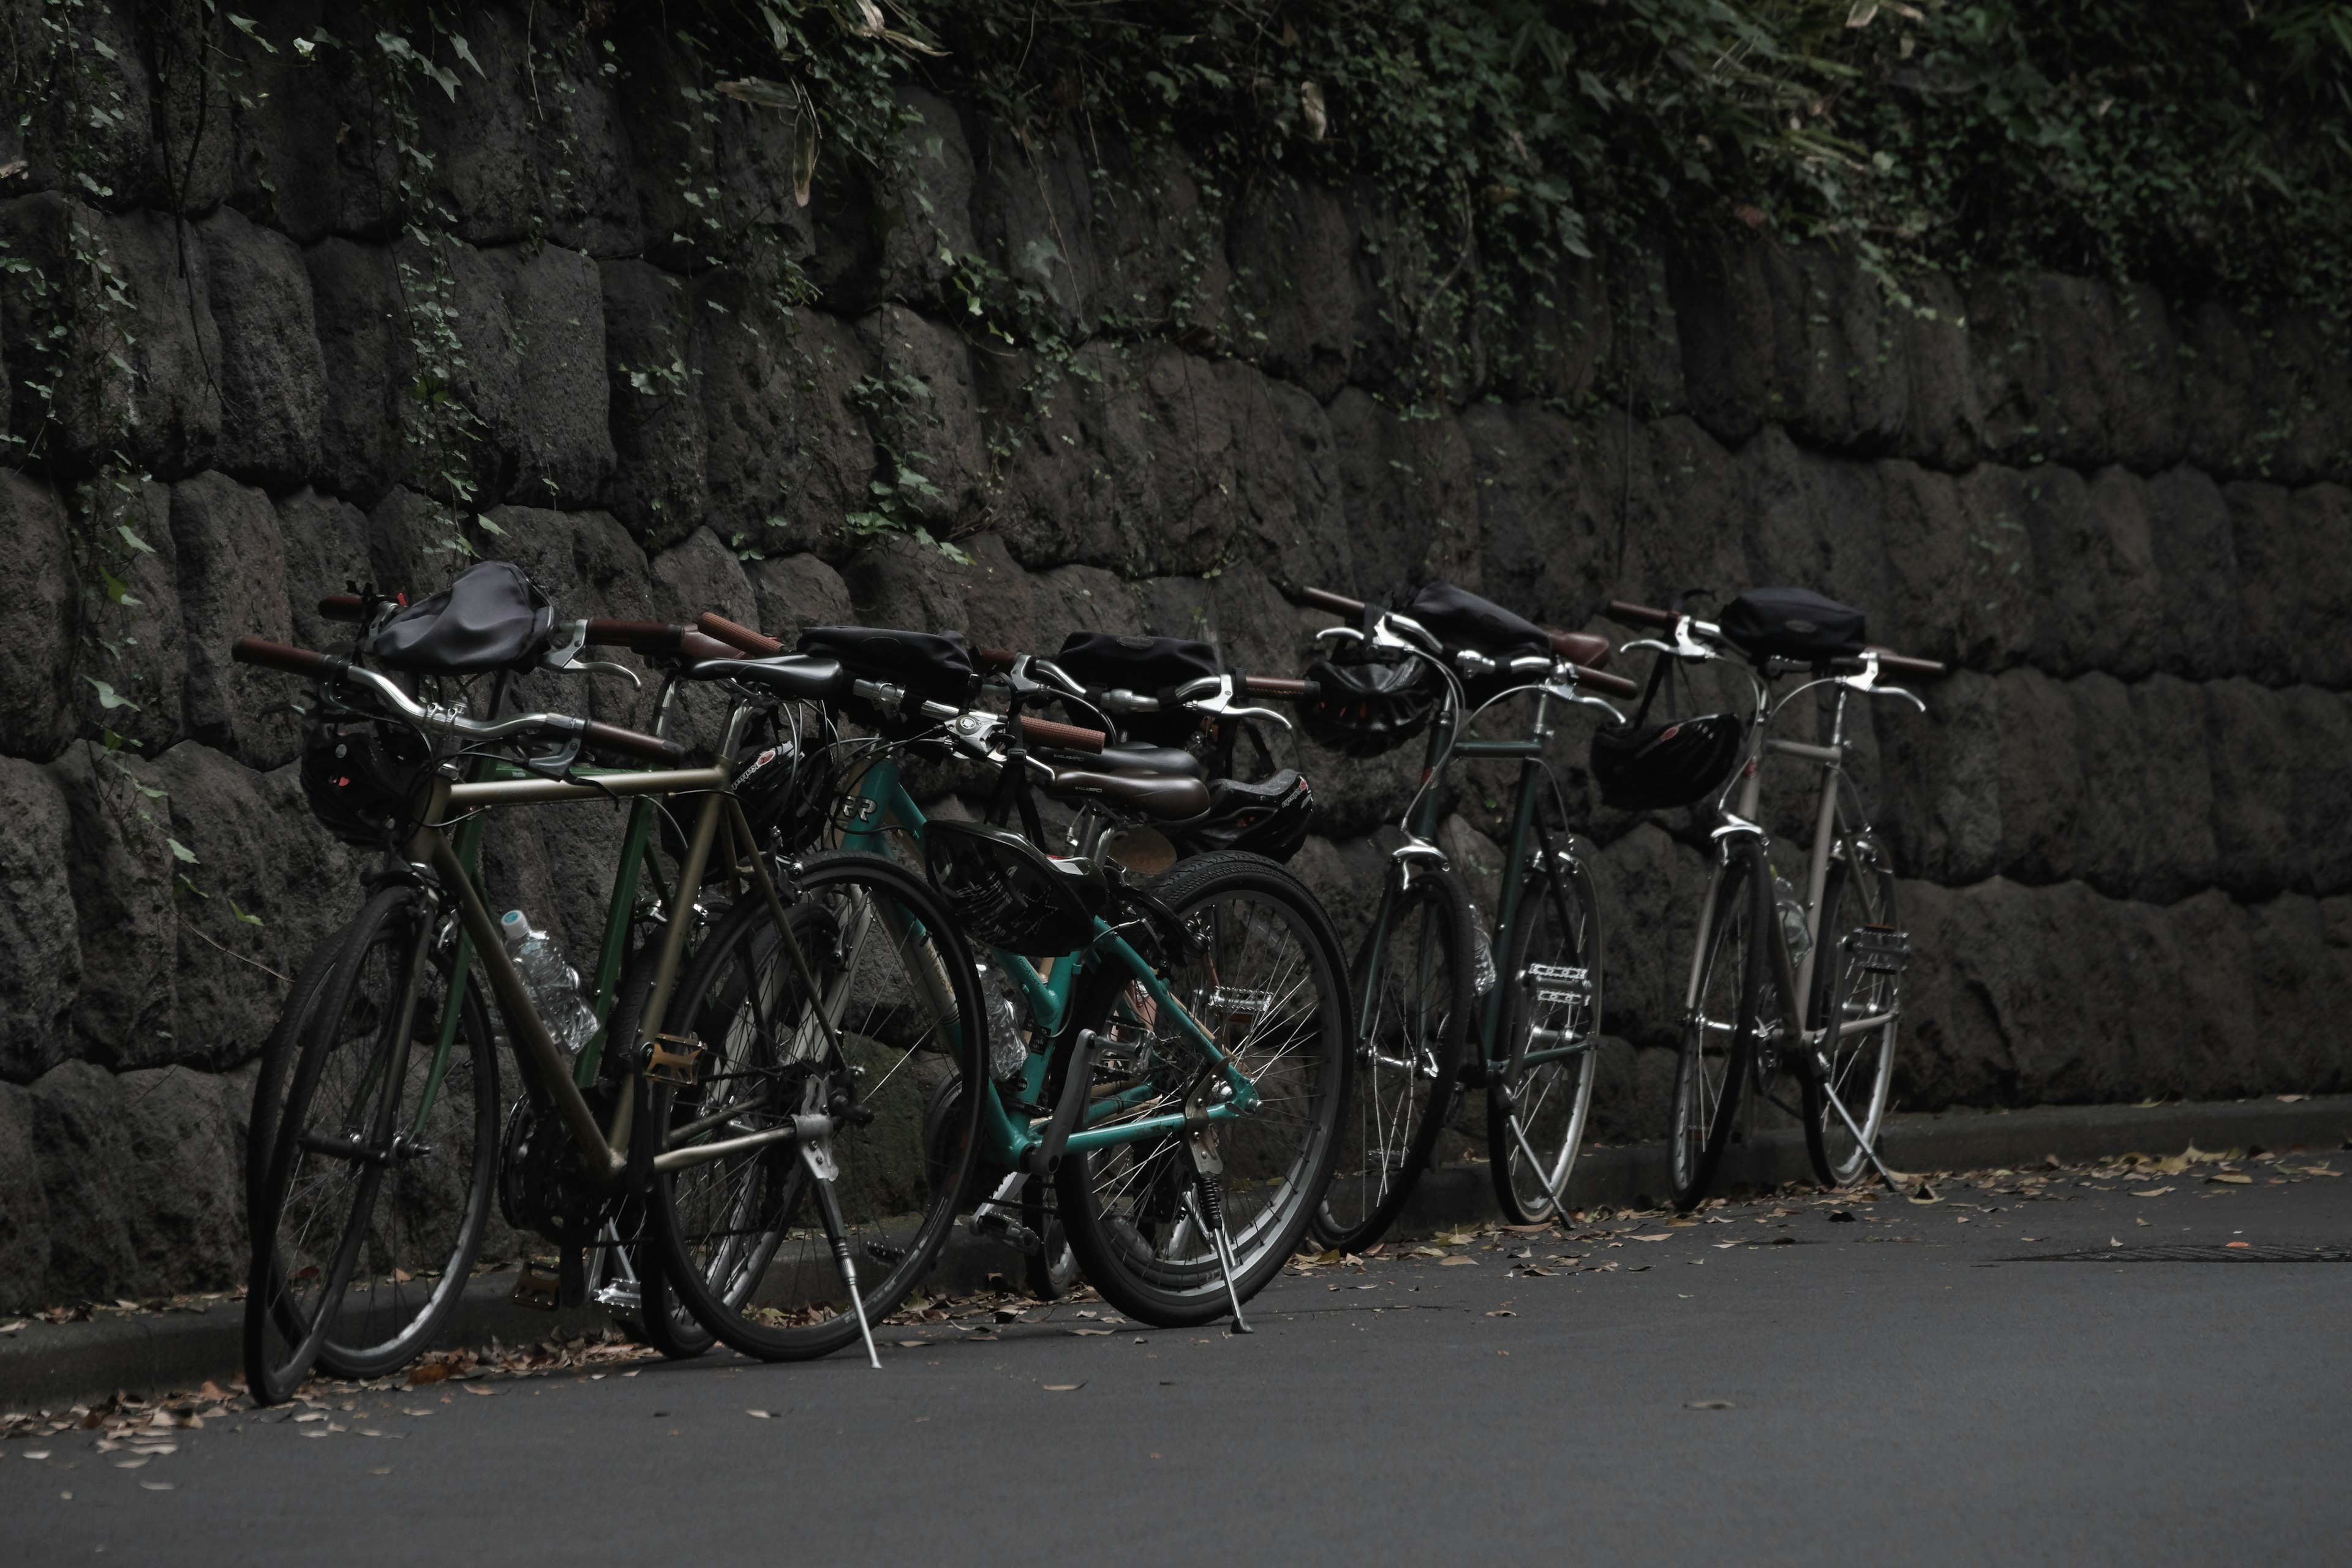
[1662, 1235]
[1502, 1312]
[760, 1415]
[2231, 1179]
[1089, 1333]
[2151, 1191]
[427, 1372]
[1457, 1260]
[1708, 1405]
[1064, 1387]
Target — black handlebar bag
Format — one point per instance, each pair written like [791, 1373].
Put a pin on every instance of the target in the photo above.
[491, 617]
[1794, 624]
[936, 666]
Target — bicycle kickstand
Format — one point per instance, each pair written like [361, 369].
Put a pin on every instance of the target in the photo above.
[817, 1154]
[1207, 1199]
[1867, 1147]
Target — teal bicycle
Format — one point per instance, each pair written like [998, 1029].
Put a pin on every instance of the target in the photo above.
[1435, 1016]
[1167, 1059]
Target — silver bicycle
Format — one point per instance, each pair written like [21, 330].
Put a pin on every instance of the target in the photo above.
[1788, 989]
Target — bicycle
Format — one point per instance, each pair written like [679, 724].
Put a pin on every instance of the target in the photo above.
[1187, 1040]
[1759, 1002]
[1425, 974]
[390, 1122]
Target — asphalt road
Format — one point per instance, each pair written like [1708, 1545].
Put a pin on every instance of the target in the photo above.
[1761, 1388]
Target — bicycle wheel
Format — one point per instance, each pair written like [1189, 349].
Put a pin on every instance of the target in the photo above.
[1860, 992]
[740, 1227]
[1551, 1023]
[1719, 1037]
[1265, 980]
[1408, 1053]
[380, 1183]
[279, 1055]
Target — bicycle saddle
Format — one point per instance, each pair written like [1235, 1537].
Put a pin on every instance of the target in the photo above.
[791, 675]
[1164, 797]
[1132, 759]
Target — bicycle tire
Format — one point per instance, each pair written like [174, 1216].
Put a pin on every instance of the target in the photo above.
[1123, 1206]
[406, 1213]
[1706, 1101]
[1858, 897]
[279, 1053]
[1409, 1047]
[726, 1227]
[1536, 1113]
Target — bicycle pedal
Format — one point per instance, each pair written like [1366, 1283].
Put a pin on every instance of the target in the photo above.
[673, 1059]
[1879, 949]
[541, 1292]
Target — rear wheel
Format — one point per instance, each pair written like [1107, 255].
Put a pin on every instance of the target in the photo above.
[734, 1208]
[380, 1183]
[1551, 1024]
[1719, 1037]
[1408, 1051]
[1265, 980]
[1858, 990]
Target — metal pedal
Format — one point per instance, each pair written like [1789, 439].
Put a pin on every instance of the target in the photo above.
[673, 1059]
[540, 1291]
[1881, 950]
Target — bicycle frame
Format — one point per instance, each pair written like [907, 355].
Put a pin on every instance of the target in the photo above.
[1528, 833]
[877, 805]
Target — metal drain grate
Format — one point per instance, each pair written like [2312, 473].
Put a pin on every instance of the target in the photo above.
[2195, 1255]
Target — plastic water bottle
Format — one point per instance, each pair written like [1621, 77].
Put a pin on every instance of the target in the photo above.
[553, 984]
[1792, 910]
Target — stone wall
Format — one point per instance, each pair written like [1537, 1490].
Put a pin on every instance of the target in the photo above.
[2124, 821]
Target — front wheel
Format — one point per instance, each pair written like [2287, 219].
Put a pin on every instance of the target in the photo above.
[1551, 1025]
[1265, 979]
[379, 1187]
[1858, 992]
[1416, 967]
[734, 1205]
[1720, 1036]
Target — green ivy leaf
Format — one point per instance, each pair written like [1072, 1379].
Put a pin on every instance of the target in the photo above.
[179, 851]
[250, 919]
[108, 698]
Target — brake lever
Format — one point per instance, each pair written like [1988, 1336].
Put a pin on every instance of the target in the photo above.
[564, 657]
[1218, 700]
[1570, 694]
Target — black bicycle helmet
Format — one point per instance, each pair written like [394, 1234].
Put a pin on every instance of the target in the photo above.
[361, 779]
[1268, 817]
[1656, 767]
[1007, 893]
[1365, 710]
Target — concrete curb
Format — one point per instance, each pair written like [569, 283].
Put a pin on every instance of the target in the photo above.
[51, 1366]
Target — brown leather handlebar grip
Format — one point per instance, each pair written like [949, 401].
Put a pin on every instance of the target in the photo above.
[1069, 737]
[1904, 664]
[278, 656]
[741, 637]
[994, 658]
[1280, 686]
[637, 742]
[1639, 615]
[1338, 604]
[1600, 681]
[1581, 648]
[342, 607]
[644, 636]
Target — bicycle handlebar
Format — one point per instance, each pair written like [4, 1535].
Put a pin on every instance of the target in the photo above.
[1607, 682]
[1579, 648]
[342, 607]
[1281, 686]
[1338, 604]
[1904, 664]
[330, 667]
[1634, 614]
[739, 636]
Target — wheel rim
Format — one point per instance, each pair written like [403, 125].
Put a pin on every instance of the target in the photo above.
[418, 1185]
[751, 1224]
[1556, 1003]
[1254, 983]
[1711, 1039]
[1397, 1076]
[1860, 1065]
